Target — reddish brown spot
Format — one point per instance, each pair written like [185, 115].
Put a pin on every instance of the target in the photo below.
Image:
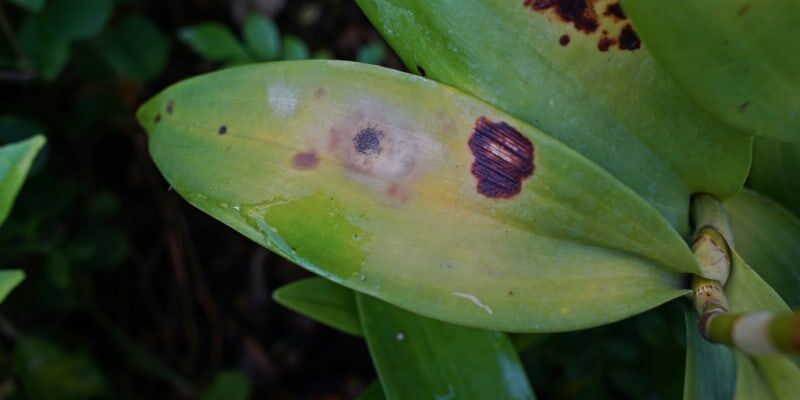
[564, 40]
[628, 39]
[319, 93]
[503, 158]
[605, 42]
[170, 107]
[305, 160]
[615, 10]
[580, 13]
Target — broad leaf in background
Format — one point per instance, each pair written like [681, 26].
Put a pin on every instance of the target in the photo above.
[294, 48]
[768, 237]
[75, 19]
[49, 372]
[739, 59]
[15, 160]
[322, 300]
[581, 76]
[422, 358]
[262, 37]
[9, 279]
[776, 172]
[47, 53]
[747, 292]
[30, 5]
[135, 48]
[214, 42]
[710, 369]
[383, 182]
[228, 385]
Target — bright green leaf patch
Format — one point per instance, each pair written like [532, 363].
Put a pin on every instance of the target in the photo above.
[262, 37]
[9, 279]
[214, 42]
[616, 107]
[365, 176]
[322, 300]
[739, 59]
[15, 160]
[421, 358]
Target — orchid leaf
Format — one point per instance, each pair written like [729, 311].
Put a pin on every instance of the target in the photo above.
[776, 172]
[577, 71]
[738, 59]
[419, 358]
[768, 237]
[710, 369]
[408, 190]
[15, 161]
[322, 300]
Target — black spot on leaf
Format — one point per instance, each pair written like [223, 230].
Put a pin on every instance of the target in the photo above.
[503, 158]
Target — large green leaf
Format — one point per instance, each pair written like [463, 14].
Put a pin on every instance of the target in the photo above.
[333, 305]
[776, 172]
[768, 237]
[422, 358]
[15, 160]
[616, 107]
[747, 292]
[739, 59]
[710, 370]
[364, 175]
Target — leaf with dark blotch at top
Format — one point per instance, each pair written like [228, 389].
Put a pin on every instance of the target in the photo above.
[738, 59]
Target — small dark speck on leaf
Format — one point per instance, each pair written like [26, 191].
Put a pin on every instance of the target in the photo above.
[743, 106]
[604, 43]
[170, 107]
[510, 292]
[222, 130]
[306, 160]
[421, 71]
[564, 40]
[158, 117]
[319, 93]
[744, 9]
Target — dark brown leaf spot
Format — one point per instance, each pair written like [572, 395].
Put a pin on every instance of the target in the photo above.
[222, 130]
[319, 92]
[170, 107]
[158, 117]
[368, 141]
[604, 43]
[615, 10]
[305, 160]
[628, 39]
[503, 158]
[579, 13]
[564, 40]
